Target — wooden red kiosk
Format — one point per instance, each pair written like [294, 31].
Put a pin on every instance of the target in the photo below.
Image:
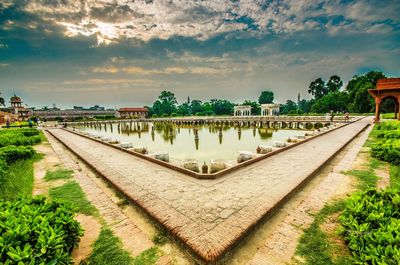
[386, 88]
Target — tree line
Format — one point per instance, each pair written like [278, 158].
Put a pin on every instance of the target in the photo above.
[327, 96]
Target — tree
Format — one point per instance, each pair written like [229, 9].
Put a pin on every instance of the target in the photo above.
[362, 101]
[255, 107]
[317, 88]
[166, 103]
[196, 106]
[289, 108]
[266, 97]
[184, 109]
[336, 101]
[305, 105]
[221, 106]
[334, 84]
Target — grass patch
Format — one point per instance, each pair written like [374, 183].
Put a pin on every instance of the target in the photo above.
[366, 178]
[107, 250]
[159, 238]
[314, 245]
[147, 257]
[19, 180]
[72, 193]
[60, 173]
[42, 136]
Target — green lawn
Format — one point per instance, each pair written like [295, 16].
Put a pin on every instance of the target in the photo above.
[19, 180]
[60, 173]
[72, 193]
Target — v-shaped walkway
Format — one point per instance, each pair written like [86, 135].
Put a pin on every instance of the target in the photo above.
[210, 216]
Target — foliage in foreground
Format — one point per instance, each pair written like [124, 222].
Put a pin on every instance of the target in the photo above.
[19, 137]
[372, 226]
[37, 231]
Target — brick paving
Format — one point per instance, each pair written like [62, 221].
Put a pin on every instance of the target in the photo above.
[133, 239]
[280, 246]
[210, 216]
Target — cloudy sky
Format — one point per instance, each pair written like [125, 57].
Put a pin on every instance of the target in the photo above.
[125, 52]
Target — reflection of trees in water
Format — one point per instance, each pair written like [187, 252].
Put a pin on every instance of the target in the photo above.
[133, 128]
[167, 132]
[217, 128]
[265, 133]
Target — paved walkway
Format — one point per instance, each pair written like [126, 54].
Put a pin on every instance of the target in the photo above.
[133, 239]
[209, 216]
[280, 246]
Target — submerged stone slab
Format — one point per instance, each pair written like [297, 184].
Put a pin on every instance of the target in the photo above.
[210, 216]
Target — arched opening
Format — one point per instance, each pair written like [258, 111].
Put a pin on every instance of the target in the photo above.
[389, 104]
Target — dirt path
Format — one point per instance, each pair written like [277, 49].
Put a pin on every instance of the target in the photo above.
[275, 242]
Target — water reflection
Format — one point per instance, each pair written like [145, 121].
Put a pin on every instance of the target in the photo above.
[217, 141]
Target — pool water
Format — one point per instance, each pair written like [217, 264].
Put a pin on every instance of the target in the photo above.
[202, 143]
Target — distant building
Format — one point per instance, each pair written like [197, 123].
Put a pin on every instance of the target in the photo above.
[21, 113]
[77, 112]
[242, 110]
[6, 116]
[270, 109]
[140, 113]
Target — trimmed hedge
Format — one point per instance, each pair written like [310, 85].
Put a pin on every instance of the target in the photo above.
[387, 148]
[372, 226]
[12, 153]
[37, 231]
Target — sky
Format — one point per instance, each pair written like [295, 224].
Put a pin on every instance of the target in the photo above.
[123, 53]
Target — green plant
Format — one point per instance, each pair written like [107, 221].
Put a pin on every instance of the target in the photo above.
[37, 231]
[371, 222]
[147, 257]
[387, 150]
[11, 153]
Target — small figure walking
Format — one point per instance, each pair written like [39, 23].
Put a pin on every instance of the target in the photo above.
[346, 117]
[332, 115]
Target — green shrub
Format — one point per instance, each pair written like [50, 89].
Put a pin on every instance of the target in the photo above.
[37, 231]
[389, 134]
[164, 115]
[154, 116]
[19, 137]
[174, 114]
[12, 153]
[371, 222]
[389, 125]
[387, 150]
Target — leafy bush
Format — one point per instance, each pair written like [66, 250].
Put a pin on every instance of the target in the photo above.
[37, 231]
[388, 147]
[371, 224]
[12, 153]
[19, 137]
[387, 150]
[154, 116]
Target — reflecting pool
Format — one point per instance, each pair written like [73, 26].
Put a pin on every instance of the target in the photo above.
[202, 143]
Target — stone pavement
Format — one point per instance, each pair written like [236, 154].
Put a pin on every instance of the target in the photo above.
[280, 246]
[133, 239]
[210, 216]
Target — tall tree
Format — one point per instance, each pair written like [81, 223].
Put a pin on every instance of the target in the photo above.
[196, 106]
[221, 106]
[289, 108]
[334, 84]
[317, 88]
[266, 97]
[336, 101]
[166, 103]
[362, 101]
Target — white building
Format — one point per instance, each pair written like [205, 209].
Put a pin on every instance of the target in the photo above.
[242, 110]
[269, 109]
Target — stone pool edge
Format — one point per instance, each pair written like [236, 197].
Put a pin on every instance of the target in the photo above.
[219, 173]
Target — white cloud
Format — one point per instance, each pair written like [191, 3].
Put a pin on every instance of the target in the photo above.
[146, 20]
